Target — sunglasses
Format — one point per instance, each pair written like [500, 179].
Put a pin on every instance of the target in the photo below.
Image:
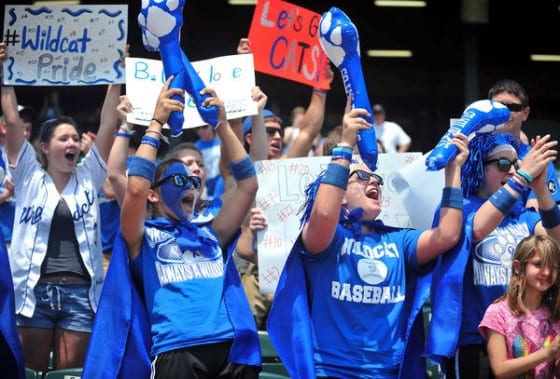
[181, 181]
[514, 107]
[504, 164]
[364, 175]
[271, 131]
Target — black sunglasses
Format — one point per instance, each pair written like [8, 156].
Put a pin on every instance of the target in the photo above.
[364, 175]
[504, 164]
[514, 107]
[181, 181]
[271, 131]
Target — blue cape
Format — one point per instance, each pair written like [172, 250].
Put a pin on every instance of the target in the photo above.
[121, 341]
[12, 365]
[447, 298]
[289, 321]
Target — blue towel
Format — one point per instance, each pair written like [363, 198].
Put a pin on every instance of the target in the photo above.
[11, 354]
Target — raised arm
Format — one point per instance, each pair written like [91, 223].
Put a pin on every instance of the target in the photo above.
[548, 209]
[446, 234]
[239, 201]
[141, 172]
[319, 231]
[116, 165]
[108, 121]
[14, 132]
[312, 122]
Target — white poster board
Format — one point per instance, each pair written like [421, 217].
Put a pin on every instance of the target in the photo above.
[282, 184]
[232, 76]
[59, 45]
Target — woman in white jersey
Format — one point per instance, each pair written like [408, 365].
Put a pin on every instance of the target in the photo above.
[57, 262]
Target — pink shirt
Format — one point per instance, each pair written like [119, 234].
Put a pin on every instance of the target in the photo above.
[524, 334]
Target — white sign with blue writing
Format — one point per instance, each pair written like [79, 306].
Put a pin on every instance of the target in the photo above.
[64, 45]
[232, 76]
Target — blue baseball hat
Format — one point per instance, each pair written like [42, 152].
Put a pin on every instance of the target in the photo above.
[247, 121]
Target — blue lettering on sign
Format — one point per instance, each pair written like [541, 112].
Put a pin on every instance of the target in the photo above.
[45, 40]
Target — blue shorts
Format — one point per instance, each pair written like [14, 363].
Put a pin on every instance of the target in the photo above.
[61, 305]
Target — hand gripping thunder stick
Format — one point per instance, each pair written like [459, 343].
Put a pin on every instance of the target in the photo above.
[161, 23]
[482, 116]
[340, 41]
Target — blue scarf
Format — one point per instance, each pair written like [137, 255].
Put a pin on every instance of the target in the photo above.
[120, 343]
[289, 320]
[12, 365]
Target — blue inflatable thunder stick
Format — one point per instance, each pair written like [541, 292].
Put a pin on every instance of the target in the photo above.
[161, 22]
[340, 41]
[482, 116]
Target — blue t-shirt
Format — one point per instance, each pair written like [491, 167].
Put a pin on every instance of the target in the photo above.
[183, 291]
[356, 293]
[488, 270]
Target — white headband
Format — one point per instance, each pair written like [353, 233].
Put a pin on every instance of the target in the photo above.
[501, 148]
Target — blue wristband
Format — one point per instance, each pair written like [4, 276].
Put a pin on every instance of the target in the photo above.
[525, 175]
[516, 186]
[336, 175]
[243, 169]
[341, 153]
[140, 166]
[147, 140]
[503, 200]
[123, 134]
[452, 198]
[551, 217]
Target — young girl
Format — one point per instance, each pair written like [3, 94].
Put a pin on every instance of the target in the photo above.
[522, 326]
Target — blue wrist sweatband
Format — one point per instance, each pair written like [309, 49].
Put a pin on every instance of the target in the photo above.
[140, 166]
[336, 175]
[503, 200]
[550, 218]
[341, 153]
[147, 140]
[243, 169]
[516, 186]
[123, 134]
[452, 198]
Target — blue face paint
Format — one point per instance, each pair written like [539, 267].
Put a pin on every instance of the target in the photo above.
[172, 193]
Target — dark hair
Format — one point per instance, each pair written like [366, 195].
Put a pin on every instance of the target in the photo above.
[48, 127]
[47, 130]
[509, 86]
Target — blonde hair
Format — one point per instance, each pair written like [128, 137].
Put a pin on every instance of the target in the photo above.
[549, 251]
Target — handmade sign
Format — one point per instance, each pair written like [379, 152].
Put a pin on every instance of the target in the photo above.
[64, 45]
[232, 76]
[284, 41]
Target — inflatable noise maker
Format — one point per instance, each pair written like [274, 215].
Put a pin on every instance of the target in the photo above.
[161, 22]
[482, 116]
[339, 39]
